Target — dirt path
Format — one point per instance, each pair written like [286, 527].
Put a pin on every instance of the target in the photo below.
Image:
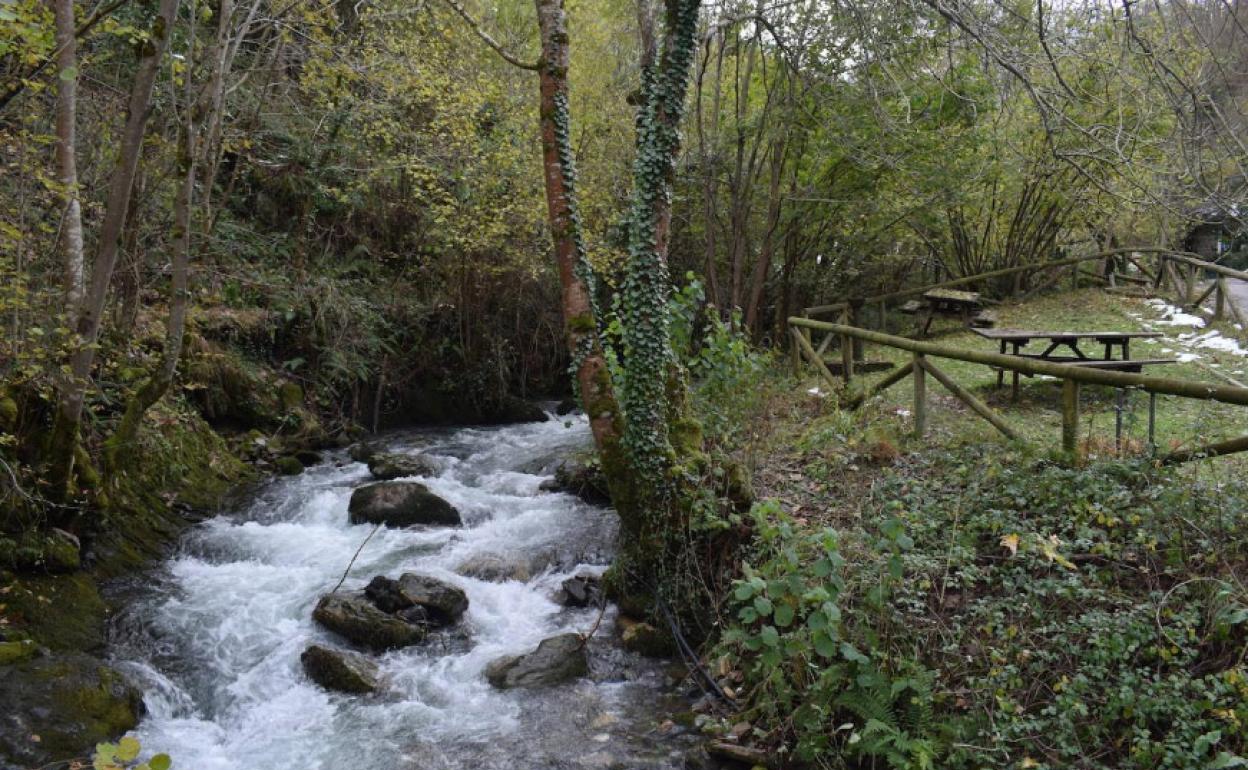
[1239, 295]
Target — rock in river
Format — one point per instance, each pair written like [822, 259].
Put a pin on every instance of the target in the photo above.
[355, 618]
[400, 504]
[557, 659]
[340, 670]
[579, 591]
[444, 602]
[395, 465]
[68, 700]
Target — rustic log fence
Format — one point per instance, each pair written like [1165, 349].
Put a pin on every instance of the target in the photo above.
[1175, 273]
[1072, 377]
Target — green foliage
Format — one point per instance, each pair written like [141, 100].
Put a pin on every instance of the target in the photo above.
[730, 377]
[810, 668]
[124, 755]
[1073, 617]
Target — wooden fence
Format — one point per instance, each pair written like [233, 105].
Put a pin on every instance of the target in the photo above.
[1176, 272]
[1072, 378]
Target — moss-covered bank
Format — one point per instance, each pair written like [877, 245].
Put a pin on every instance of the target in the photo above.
[61, 698]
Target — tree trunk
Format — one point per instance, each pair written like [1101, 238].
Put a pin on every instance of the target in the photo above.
[65, 429]
[575, 274]
[66, 152]
[119, 449]
[647, 284]
[758, 277]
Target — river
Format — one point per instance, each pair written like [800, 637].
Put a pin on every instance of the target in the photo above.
[215, 635]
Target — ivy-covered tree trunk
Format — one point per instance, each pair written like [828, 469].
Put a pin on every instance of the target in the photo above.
[575, 274]
[648, 363]
[63, 443]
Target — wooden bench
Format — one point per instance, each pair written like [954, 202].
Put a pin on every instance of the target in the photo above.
[1127, 365]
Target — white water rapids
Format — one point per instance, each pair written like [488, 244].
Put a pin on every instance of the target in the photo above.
[215, 636]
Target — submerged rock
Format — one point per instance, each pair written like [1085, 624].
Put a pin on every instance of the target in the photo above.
[362, 452]
[401, 504]
[309, 457]
[579, 591]
[557, 659]
[356, 619]
[444, 602]
[69, 701]
[340, 670]
[394, 465]
[511, 409]
[497, 568]
[289, 466]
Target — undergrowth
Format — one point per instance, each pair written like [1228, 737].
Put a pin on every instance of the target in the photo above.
[1000, 610]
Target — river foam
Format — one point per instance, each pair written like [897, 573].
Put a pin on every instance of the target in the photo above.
[215, 637]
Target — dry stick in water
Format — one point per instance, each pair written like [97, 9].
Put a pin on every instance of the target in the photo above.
[351, 563]
[602, 610]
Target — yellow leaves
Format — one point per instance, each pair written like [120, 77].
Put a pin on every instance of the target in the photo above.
[1046, 546]
[1010, 543]
[1226, 715]
[1049, 548]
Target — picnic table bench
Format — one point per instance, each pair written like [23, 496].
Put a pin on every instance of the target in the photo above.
[966, 305]
[1017, 339]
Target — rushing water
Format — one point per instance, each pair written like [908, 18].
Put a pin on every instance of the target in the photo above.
[215, 637]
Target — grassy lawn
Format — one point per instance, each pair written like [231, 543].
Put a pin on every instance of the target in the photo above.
[1036, 416]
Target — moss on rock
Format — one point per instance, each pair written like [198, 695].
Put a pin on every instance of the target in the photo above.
[288, 466]
[70, 702]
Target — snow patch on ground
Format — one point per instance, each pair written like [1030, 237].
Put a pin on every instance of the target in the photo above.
[1173, 316]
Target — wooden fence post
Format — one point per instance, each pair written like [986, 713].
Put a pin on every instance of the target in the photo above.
[796, 353]
[1189, 297]
[1219, 299]
[857, 316]
[1070, 416]
[920, 396]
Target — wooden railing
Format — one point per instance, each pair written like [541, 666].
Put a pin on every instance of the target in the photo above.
[1072, 378]
[1163, 276]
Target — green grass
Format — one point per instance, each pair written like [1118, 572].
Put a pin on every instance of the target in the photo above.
[1036, 416]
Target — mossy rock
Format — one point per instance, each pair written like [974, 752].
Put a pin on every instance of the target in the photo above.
[644, 639]
[17, 651]
[356, 619]
[70, 701]
[387, 466]
[289, 466]
[290, 396]
[400, 504]
[339, 670]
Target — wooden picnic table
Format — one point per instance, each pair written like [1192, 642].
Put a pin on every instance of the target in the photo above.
[1017, 339]
[967, 305]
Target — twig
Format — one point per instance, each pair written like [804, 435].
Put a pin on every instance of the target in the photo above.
[602, 610]
[508, 57]
[351, 563]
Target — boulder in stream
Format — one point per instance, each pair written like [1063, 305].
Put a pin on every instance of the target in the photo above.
[579, 591]
[556, 660]
[340, 670]
[401, 504]
[356, 619]
[395, 465]
[443, 602]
